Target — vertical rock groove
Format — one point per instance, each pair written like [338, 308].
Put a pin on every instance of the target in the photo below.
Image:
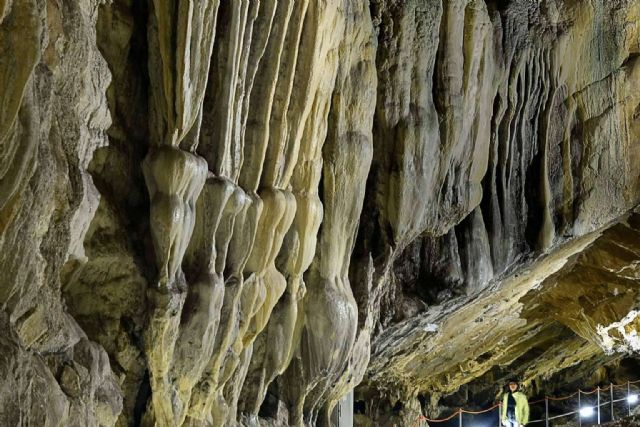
[234, 213]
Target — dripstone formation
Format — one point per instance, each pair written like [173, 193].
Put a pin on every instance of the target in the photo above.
[234, 212]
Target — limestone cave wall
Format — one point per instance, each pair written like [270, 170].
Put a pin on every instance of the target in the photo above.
[233, 212]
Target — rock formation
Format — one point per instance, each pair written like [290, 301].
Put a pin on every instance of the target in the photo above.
[223, 213]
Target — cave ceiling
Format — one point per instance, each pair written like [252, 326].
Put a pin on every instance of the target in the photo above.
[234, 213]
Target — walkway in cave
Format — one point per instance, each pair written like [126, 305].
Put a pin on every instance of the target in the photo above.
[619, 405]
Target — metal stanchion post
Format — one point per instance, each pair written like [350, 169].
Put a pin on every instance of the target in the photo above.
[611, 395]
[598, 405]
[628, 394]
[546, 412]
[460, 419]
[579, 407]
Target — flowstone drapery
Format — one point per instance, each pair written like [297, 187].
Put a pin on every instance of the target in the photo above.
[219, 213]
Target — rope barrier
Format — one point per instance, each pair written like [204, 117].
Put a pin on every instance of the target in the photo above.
[464, 411]
[561, 397]
[440, 420]
[456, 413]
[497, 405]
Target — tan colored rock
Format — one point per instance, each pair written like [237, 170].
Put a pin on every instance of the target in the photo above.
[260, 205]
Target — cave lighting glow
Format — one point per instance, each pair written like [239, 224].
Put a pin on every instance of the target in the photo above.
[586, 411]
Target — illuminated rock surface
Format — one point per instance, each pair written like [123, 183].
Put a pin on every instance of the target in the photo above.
[234, 212]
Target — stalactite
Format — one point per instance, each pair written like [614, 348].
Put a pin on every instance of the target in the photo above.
[232, 213]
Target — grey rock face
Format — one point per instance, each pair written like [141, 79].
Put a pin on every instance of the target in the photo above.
[235, 212]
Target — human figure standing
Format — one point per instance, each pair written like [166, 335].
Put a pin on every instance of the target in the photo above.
[515, 407]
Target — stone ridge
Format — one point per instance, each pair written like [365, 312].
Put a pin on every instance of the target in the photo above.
[220, 213]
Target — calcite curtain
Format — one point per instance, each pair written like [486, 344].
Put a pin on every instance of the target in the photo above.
[218, 213]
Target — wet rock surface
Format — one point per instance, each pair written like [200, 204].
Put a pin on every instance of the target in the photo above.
[229, 213]
[625, 422]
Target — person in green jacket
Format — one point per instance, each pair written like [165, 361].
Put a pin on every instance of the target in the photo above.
[515, 407]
